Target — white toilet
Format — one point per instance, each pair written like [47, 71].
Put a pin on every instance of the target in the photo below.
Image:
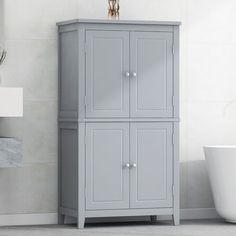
[221, 165]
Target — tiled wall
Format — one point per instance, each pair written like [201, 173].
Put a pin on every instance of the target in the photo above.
[31, 43]
[208, 94]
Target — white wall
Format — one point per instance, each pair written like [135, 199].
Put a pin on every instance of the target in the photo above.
[208, 94]
[31, 43]
[1, 24]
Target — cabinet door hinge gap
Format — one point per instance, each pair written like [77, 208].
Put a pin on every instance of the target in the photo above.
[173, 138]
[173, 49]
[85, 47]
[85, 101]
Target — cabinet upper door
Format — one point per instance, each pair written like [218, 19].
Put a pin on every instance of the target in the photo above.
[151, 176]
[151, 83]
[107, 177]
[107, 61]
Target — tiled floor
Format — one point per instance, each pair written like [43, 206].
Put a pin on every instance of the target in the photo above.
[187, 228]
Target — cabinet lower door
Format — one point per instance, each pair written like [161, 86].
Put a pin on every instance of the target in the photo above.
[151, 165]
[107, 177]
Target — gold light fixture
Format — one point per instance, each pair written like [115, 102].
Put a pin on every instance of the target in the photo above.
[113, 9]
[3, 54]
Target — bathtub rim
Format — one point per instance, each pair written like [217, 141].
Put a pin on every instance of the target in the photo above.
[220, 146]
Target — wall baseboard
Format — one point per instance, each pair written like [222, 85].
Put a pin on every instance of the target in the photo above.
[52, 218]
[198, 213]
[29, 219]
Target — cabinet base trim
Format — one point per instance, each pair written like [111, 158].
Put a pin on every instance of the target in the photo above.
[185, 214]
[129, 212]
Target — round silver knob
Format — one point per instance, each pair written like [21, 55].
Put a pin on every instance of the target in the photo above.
[134, 165]
[134, 74]
[127, 74]
[127, 165]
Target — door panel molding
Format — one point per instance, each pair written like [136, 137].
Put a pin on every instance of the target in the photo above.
[107, 179]
[107, 61]
[151, 91]
[151, 151]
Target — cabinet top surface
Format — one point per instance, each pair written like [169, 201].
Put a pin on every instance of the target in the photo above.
[106, 21]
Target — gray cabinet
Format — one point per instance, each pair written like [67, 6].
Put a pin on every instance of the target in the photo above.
[116, 89]
[118, 119]
[128, 165]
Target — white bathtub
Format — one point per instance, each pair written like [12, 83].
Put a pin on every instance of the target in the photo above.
[221, 165]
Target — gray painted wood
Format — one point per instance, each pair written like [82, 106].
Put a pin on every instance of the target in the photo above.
[176, 71]
[107, 87]
[151, 152]
[87, 120]
[176, 190]
[130, 212]
[124, 27]
[80, 190]
[107, 119]
[81, 71]
[68, 62]
[68, 171]
[151, 59]
[176, 215]
[129, 22]
[107, 177]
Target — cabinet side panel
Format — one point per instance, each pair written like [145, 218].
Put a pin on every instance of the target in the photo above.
[68, 167]
[176, 71]
[68, 71]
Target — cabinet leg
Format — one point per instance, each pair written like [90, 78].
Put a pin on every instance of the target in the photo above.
[80, 222]
[176, 219]
[61, 219]
[153, 219]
